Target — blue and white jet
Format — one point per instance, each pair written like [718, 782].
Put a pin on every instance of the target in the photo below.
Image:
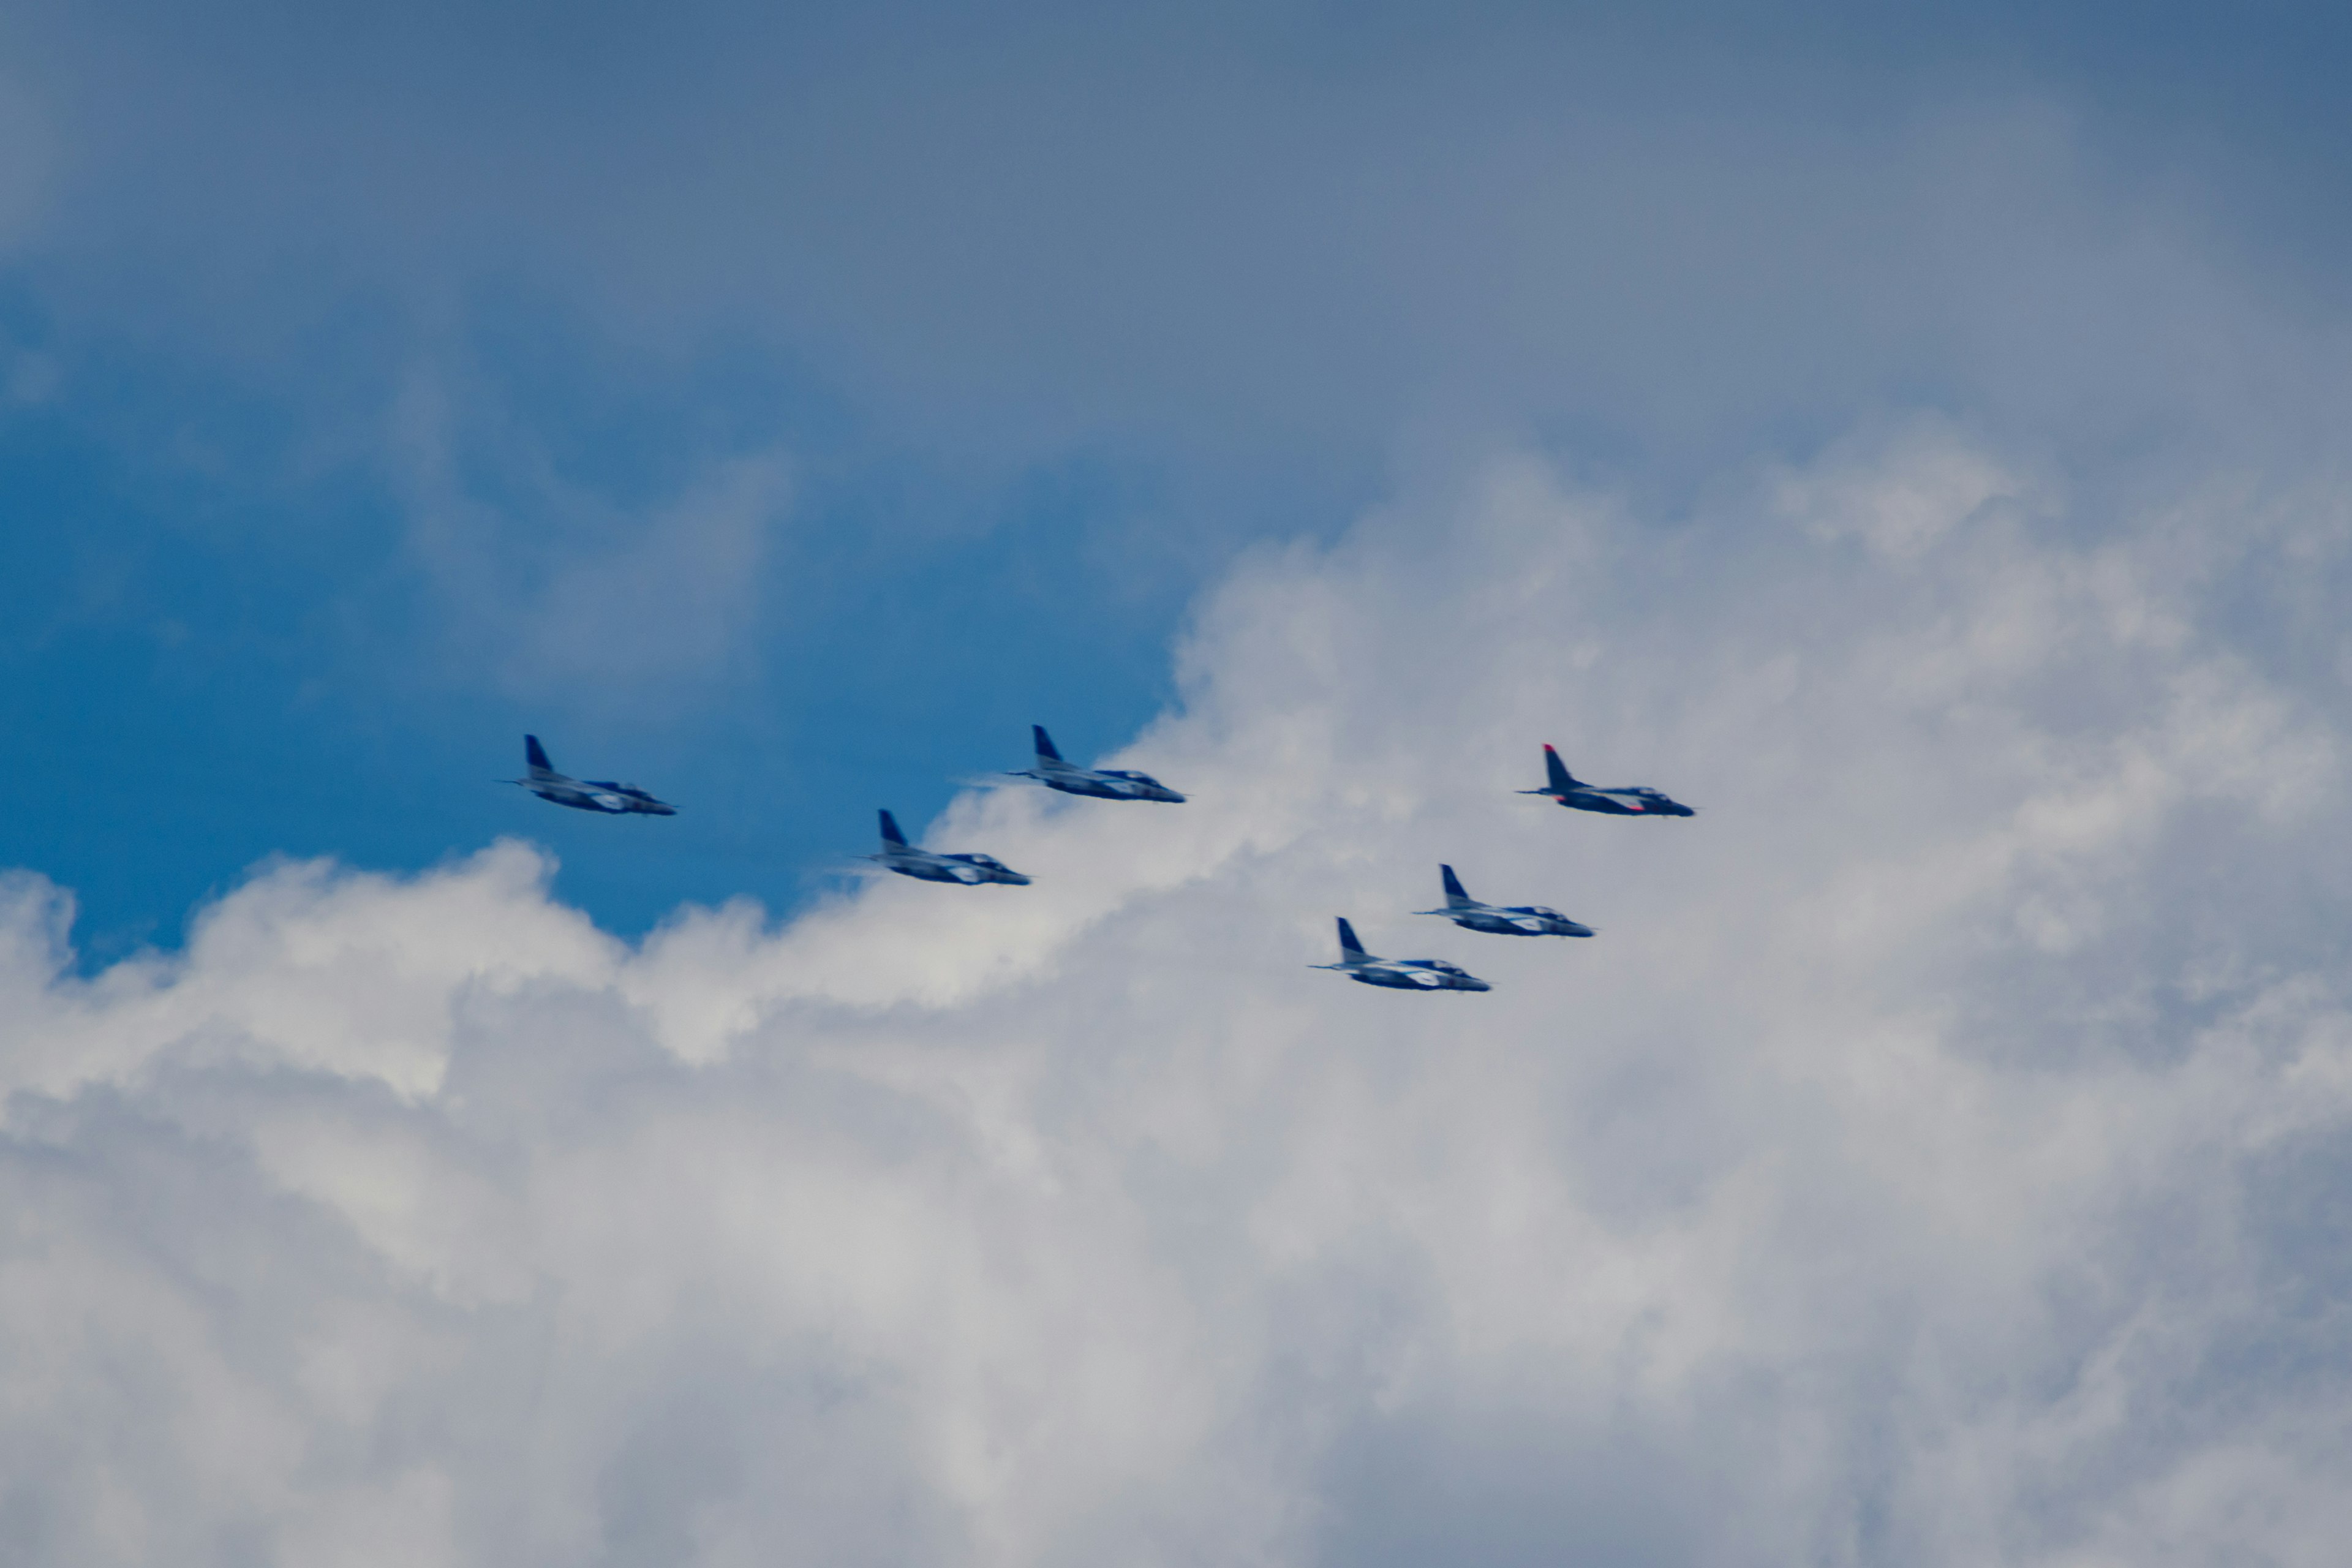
[584, 795]
[1519, 920]
[899, 856]
[1399, 974]
[1103, 784]
[1573, 793]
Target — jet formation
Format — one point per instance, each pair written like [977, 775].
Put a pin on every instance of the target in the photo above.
[973, 870]
[1515, 920]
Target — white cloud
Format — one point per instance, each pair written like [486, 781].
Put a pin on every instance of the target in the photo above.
[1897, 491]
[1920, 1168]
[676, 597]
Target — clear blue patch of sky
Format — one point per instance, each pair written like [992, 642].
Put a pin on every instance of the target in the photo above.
[218, 645]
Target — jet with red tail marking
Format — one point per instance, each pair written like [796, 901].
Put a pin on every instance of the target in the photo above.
[1636, 800]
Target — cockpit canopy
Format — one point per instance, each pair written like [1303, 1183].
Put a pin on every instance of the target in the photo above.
[1128, 774]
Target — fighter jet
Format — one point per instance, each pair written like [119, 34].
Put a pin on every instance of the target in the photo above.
[1104, 784]
[1398, 973]
[1577, 796]
[899, 856]
[584, 795]
[1519, 920]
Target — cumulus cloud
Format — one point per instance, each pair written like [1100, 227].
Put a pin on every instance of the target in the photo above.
[1935, 1159]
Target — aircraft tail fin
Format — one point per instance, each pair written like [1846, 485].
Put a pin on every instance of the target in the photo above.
[891, 837]
[1350, 950]
[1556, 773]
[536, 755]
[1455, 899]
[1047, 755]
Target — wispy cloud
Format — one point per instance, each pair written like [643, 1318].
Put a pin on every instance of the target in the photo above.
[564, 587]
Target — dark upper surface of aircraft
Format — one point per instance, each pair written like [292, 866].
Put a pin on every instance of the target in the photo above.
[1638, 800]
[1399, 974]
[1518, 919]
[584, 795]
[970, 870]
[1103, 784]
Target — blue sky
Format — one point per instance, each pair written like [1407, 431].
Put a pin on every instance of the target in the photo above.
[218, 671]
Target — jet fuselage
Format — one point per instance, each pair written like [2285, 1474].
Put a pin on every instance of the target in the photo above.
[1411, 974]
[598, 795]
[1107, 783]
[1635, 802]
[1525, 920]
[968, 869]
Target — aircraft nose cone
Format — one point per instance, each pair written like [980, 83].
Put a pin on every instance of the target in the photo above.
[1017, 879]
[1170, 795]
[1480, 986]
